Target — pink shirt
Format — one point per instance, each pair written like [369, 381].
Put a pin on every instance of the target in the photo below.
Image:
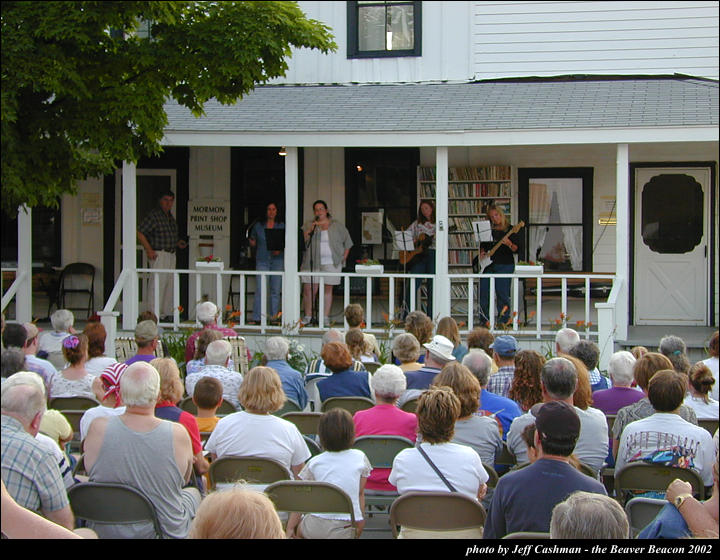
[384, 420]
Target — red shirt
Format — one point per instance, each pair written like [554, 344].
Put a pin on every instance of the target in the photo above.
[168, 411]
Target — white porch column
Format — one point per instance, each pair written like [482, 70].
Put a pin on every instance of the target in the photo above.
[129, 244]
[441, 291]
[23, 297]
[622, 239]
[291, 281]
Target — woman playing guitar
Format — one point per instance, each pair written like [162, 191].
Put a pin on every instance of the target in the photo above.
[503, 262]
[423, 232]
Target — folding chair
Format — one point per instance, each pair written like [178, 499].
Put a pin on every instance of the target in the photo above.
[351, 404]
[126, 347]
[239, 353]
[381, 452]
[72, 403]
[371, 367]
[112, 504]
[290, 405]
[436, 511]
[644, 477]
[306, 422]
[410, 405]
[225, 408]
[300, 496]
[73, 417]
[710, 424]
[77, 278]
[641, 511]
[527, 535]
[313, 446]
[252, 470]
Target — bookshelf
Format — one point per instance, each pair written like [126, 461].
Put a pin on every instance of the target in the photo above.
[470, 190]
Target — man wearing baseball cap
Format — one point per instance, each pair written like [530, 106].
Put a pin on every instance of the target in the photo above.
[146, 337]
[524, 499]
[504, 348]
[438, 352]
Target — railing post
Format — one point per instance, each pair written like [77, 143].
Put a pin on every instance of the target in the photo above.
[109, 321]
[129, 245]
[606, 326]
[23, 299]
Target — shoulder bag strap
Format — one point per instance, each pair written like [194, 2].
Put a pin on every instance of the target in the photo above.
[434, 466]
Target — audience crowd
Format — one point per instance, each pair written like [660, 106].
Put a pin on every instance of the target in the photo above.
[532, 439]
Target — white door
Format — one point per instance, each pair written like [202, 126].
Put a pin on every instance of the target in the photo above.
[671, 246]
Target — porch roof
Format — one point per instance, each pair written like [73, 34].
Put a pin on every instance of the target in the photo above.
[526, 104]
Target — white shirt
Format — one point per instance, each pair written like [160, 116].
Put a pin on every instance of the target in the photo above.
[325, 250]
[712, 363]
[51, 341]
[343, 469]
[665, 438]
[591, 447]
[244, 434]
[460, 465]
[95, 366]
[703, 410]
[231, 381]
[97, 412]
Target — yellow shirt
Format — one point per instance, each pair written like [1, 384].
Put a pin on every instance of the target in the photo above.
[207, 424]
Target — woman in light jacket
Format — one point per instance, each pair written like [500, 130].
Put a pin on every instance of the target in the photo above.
[327, 244]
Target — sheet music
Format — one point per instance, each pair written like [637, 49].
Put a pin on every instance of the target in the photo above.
[403, 241]
[482, 231]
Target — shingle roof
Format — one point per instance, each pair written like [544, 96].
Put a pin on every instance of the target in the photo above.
[482, 106]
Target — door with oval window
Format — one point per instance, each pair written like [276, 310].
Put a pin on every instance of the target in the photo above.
[671, 275]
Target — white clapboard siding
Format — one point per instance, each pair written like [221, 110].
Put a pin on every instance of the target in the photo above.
[512, 39]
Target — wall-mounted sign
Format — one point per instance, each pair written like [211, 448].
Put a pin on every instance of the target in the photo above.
[208, 216]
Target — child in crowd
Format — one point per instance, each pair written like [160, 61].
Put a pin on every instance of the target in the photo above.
[340, 465]
[207, 396]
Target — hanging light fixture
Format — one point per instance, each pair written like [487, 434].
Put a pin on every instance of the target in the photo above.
[282, 152]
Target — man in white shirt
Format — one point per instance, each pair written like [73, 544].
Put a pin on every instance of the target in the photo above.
[558, 382]
[217, 356]
[664, 438]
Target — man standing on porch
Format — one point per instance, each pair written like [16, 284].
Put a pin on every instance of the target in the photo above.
[158, 234]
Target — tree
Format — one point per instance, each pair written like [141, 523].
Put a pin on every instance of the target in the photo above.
[83, 89]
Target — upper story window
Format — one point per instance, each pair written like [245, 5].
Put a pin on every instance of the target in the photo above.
[382, 29]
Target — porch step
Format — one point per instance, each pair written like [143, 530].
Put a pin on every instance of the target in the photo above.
[696, 338]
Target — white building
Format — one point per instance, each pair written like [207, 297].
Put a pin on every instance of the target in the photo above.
[613, 104]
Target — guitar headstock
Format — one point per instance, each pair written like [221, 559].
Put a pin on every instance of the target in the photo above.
[517, 227]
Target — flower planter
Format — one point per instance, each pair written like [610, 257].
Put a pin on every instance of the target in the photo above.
[369, 268]
[529, 270]
[212, 265]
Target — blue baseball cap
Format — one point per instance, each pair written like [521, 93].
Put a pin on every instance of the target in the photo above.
[505, 345]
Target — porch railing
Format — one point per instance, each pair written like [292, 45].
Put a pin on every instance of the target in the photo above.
[382, 295]
[8, 296]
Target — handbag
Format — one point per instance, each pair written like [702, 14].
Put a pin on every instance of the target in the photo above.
[434, 466]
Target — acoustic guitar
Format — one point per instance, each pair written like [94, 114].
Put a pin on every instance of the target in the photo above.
[482, 263]
[422, 244]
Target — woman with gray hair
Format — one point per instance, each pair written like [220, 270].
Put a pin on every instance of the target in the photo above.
[50, 342]
[674, 348]
[620, 368]
[406, 349]
[385, 419]
[585, 515]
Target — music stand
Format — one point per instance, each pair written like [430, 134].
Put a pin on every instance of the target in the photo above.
[403, 241]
